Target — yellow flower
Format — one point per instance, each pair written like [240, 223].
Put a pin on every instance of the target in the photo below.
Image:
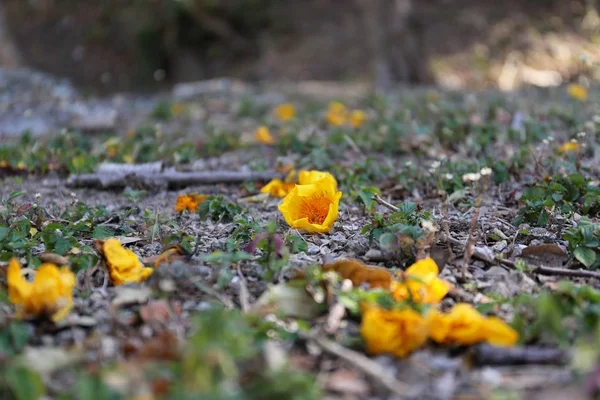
[337, 113]
[4, 164]
[177, 109]
[464, 325]
[263, 135]
[285, 112]
[312, 207]
[357, 118]
[569, 147]
[307, 177]
[277, 188]
[421, 282]
[50, 293]
[123, 265]
[189, 202]
[396, 332]
[577, 91]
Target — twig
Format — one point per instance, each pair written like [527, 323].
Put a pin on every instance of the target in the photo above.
[352, 144]
[244, 294]
[491, 355]
[363, 363]
[384, 203]
[572, 273]
[169, 179]
[334, 318]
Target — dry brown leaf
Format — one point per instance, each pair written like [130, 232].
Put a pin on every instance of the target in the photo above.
[359, 273]
[56, 259]
[159, 311]
[172, 253]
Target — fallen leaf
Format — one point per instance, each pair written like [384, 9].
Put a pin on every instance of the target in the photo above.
[164, 347]
[288, 300]
[168, 256]
[56, 259]
[159, 311]
[127, 295]
[360, 273]
[347, 381]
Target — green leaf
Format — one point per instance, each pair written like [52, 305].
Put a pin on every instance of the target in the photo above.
[101, 232]
[585, 255]
[4, 230]
[388, 242]
[24, 384]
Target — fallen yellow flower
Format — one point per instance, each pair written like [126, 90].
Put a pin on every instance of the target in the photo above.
[123, 265]
[263, 135]
[277, 188]
[577, 91]
[464, 325]
[312, 207]
[357, 118]
[396, 332]
[50, 293]
[285, 112]
[189, 202]
[569, 147]
[307, 177]
[421, 283]
[337, 113]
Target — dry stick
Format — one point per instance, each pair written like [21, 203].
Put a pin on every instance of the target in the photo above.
[363, 363]
[573, 273]
[167, 178]
[244, 294]
[384, 203]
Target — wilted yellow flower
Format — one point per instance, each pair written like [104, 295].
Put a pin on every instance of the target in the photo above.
[307, 177]
[123, 265]
[577, 91]
[312, 207]
[263, 135]
[569, 147]
[189, 202]
[277, 188]
[396, 332]
[50, 293]
[421, 283]
[177, 109]
[285, 112]
[337, 113]
[464, 325]
[357, 118]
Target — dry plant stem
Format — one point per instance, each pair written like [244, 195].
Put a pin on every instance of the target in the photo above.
[334, 318]
[551, 271]
[472, 240]
[384, 203]
[168, 178]
[244, 294]
[363, 363]
[446, 226]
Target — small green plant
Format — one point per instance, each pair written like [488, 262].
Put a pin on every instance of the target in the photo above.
[584, 242]
[273, 254]
[217, 208]
[405, 221]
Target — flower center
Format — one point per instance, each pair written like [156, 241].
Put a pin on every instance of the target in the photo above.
[315, 209]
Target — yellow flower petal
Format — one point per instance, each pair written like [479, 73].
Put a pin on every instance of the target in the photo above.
[312, 207]
[262, 135]
[50, 293]
[577, 91]
[123, 265]
[499, 333]
[397, 332]
[307, 177]
[421, 283]
[189, 202]
[285, 112]
[277, 188]
[337, 114]
[569, 147]
[357, 118]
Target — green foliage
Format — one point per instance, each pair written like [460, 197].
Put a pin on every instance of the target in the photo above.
[562, 194]
[217, 208]
[406, 221]
[584, 242]
[559, 316]
[365, 197]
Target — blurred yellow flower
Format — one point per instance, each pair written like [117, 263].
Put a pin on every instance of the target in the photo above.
[569, 147]
[177, 109]
[263, 135]
[464, 325]
[357, 118]
[421, 283]
[312, 207]
[123, 265]
[577, 91]
[307, 177]
[337, 113]
[396, 332]
[277, 188]
[50, 294]
[189, 202]
[285, 112]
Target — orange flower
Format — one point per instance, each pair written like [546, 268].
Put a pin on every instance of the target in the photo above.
[189, 202]
[285, 112]
[337, 113]
[263, 136]
[312, 207]
[50, 293]
[396, 332]
[421, 283]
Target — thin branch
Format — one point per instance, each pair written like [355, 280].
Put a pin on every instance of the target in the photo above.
[551, 271]
[384, 203]
[363, 363]
[244, 294]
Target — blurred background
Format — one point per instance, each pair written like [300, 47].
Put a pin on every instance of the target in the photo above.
[116, 45]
